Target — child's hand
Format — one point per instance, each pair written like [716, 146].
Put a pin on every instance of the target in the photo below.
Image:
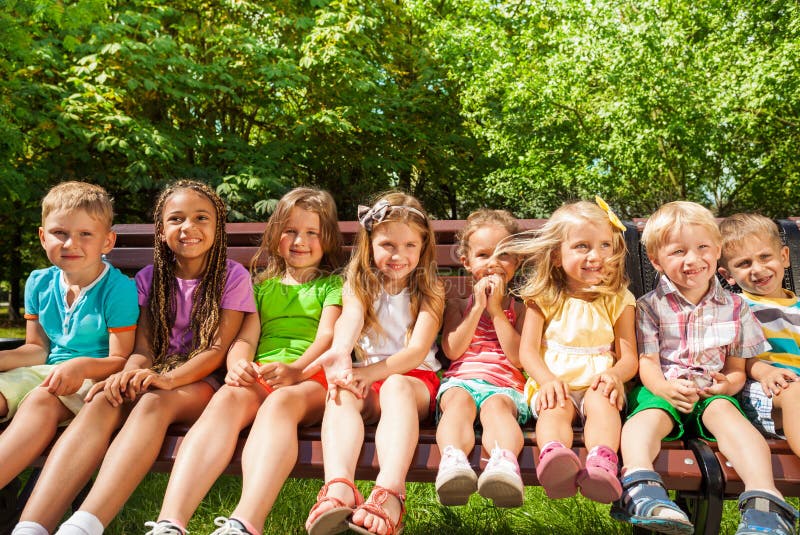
[243, 373]
[65, 379]
[681, 394]
[496, 290]
[277, 374]
[551, 395]
[480, 290]
[332, 361]
[113, 388]
[777, 380]
[721, 386]
[611, 387]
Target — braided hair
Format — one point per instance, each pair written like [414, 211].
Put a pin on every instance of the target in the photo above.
[161, 309]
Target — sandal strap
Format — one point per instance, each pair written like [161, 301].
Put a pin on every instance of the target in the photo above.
[641, 476]
[374, 504]
[764, 501]
[642, 497]
[322, 495]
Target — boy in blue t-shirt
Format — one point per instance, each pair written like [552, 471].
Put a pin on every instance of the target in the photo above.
[81, 317]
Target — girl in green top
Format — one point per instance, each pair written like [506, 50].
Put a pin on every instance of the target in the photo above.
[298, 301]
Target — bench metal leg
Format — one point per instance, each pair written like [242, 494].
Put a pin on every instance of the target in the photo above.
[705, 510]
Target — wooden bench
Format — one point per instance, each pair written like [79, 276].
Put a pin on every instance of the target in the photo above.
[692, 468]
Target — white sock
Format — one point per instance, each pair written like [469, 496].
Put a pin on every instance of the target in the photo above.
[26, 527]
[81, 523]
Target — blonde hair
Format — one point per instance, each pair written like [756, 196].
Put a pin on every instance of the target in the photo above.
[313, 200]
[482, 218]
[737, 228]
[674, 215]
[546, 282]
[207, 299]
[423, 282]
[70, 196]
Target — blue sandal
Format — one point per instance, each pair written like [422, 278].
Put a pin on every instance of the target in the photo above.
[763, 512]
[644, 492]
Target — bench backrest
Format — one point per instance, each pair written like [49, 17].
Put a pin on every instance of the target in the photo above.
[134, 250]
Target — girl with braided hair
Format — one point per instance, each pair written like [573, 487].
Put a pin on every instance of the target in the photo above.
[193, 301]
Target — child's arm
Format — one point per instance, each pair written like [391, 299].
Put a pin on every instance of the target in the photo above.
[279, 374]
[680, 393]
[457, 329]
[33, 352]
[773, 379]
[241, 371]
[507, 334]
[67, 377]
[552, 391]
[625, 367]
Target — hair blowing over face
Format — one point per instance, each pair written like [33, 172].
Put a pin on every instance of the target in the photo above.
[207, 299]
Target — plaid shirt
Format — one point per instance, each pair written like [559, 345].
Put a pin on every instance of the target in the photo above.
[694, 340]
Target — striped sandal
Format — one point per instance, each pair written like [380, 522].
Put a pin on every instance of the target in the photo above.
[333, 520]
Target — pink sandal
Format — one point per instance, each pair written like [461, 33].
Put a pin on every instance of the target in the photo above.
[374, 506]
[598, 481]
[333, 520]
[557, 470]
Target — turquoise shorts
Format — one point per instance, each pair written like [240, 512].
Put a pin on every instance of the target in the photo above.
[641, 399]
[480, 390]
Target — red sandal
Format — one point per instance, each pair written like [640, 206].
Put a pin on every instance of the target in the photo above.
[374, 506]
[333, 520]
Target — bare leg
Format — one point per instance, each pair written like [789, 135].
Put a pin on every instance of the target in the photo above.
[137, 445]
[500, 426]
[641, 437]
[555, 425]
[404, 402]
[603, 423]
[271, 449]
[455, 425]
[788, 402]
[210, 444]
[31, 430]
[742, 444]
[73, 460]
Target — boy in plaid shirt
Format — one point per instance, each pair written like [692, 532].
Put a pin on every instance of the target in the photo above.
[694, 339]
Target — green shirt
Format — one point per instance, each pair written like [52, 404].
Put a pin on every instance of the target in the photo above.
[290, 315]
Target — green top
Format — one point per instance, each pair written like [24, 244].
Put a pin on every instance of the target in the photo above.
[290, 315]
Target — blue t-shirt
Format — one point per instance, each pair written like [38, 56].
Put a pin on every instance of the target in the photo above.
[106, 305]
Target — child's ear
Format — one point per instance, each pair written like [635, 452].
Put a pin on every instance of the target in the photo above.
[653, 260]
[726, 275]
[41, 235]
[111, 239]
[465, 262]
[784, 255]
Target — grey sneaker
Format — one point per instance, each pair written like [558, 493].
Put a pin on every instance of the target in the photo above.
[501, 481]
[456, 481]
[228, 526]
[163, 528]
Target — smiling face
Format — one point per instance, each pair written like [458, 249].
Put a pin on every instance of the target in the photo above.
[190, 222]
[396, 247]
[75, 242]
[757, 265]
[480, 259]
[688, 257]
[300, 244]
[583, 254]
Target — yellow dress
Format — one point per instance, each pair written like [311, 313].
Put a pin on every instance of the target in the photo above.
[578, 339]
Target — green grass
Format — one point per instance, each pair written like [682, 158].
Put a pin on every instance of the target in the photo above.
[12, 332]
[425, 514]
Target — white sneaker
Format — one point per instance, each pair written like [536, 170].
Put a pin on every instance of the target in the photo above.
[501, 481]
[226, 527]
[456, 480]
[163, 528]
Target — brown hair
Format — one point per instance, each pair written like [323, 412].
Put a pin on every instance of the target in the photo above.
[70, 196]
[423, 283]
[481, 218]
[317, 201]
[546, 283]
[206, 302]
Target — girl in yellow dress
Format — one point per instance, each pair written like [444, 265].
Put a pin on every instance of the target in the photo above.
[578, 345]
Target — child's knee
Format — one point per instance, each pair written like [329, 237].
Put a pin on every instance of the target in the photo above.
[497, 406]
[3, 406]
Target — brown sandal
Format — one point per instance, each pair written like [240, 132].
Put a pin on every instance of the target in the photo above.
[374, 505]
[334, 520]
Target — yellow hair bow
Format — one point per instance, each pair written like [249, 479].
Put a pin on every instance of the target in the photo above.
[612, 217]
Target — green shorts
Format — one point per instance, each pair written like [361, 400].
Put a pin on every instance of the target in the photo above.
[16, 384]
[641, 399]
[480, 390]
